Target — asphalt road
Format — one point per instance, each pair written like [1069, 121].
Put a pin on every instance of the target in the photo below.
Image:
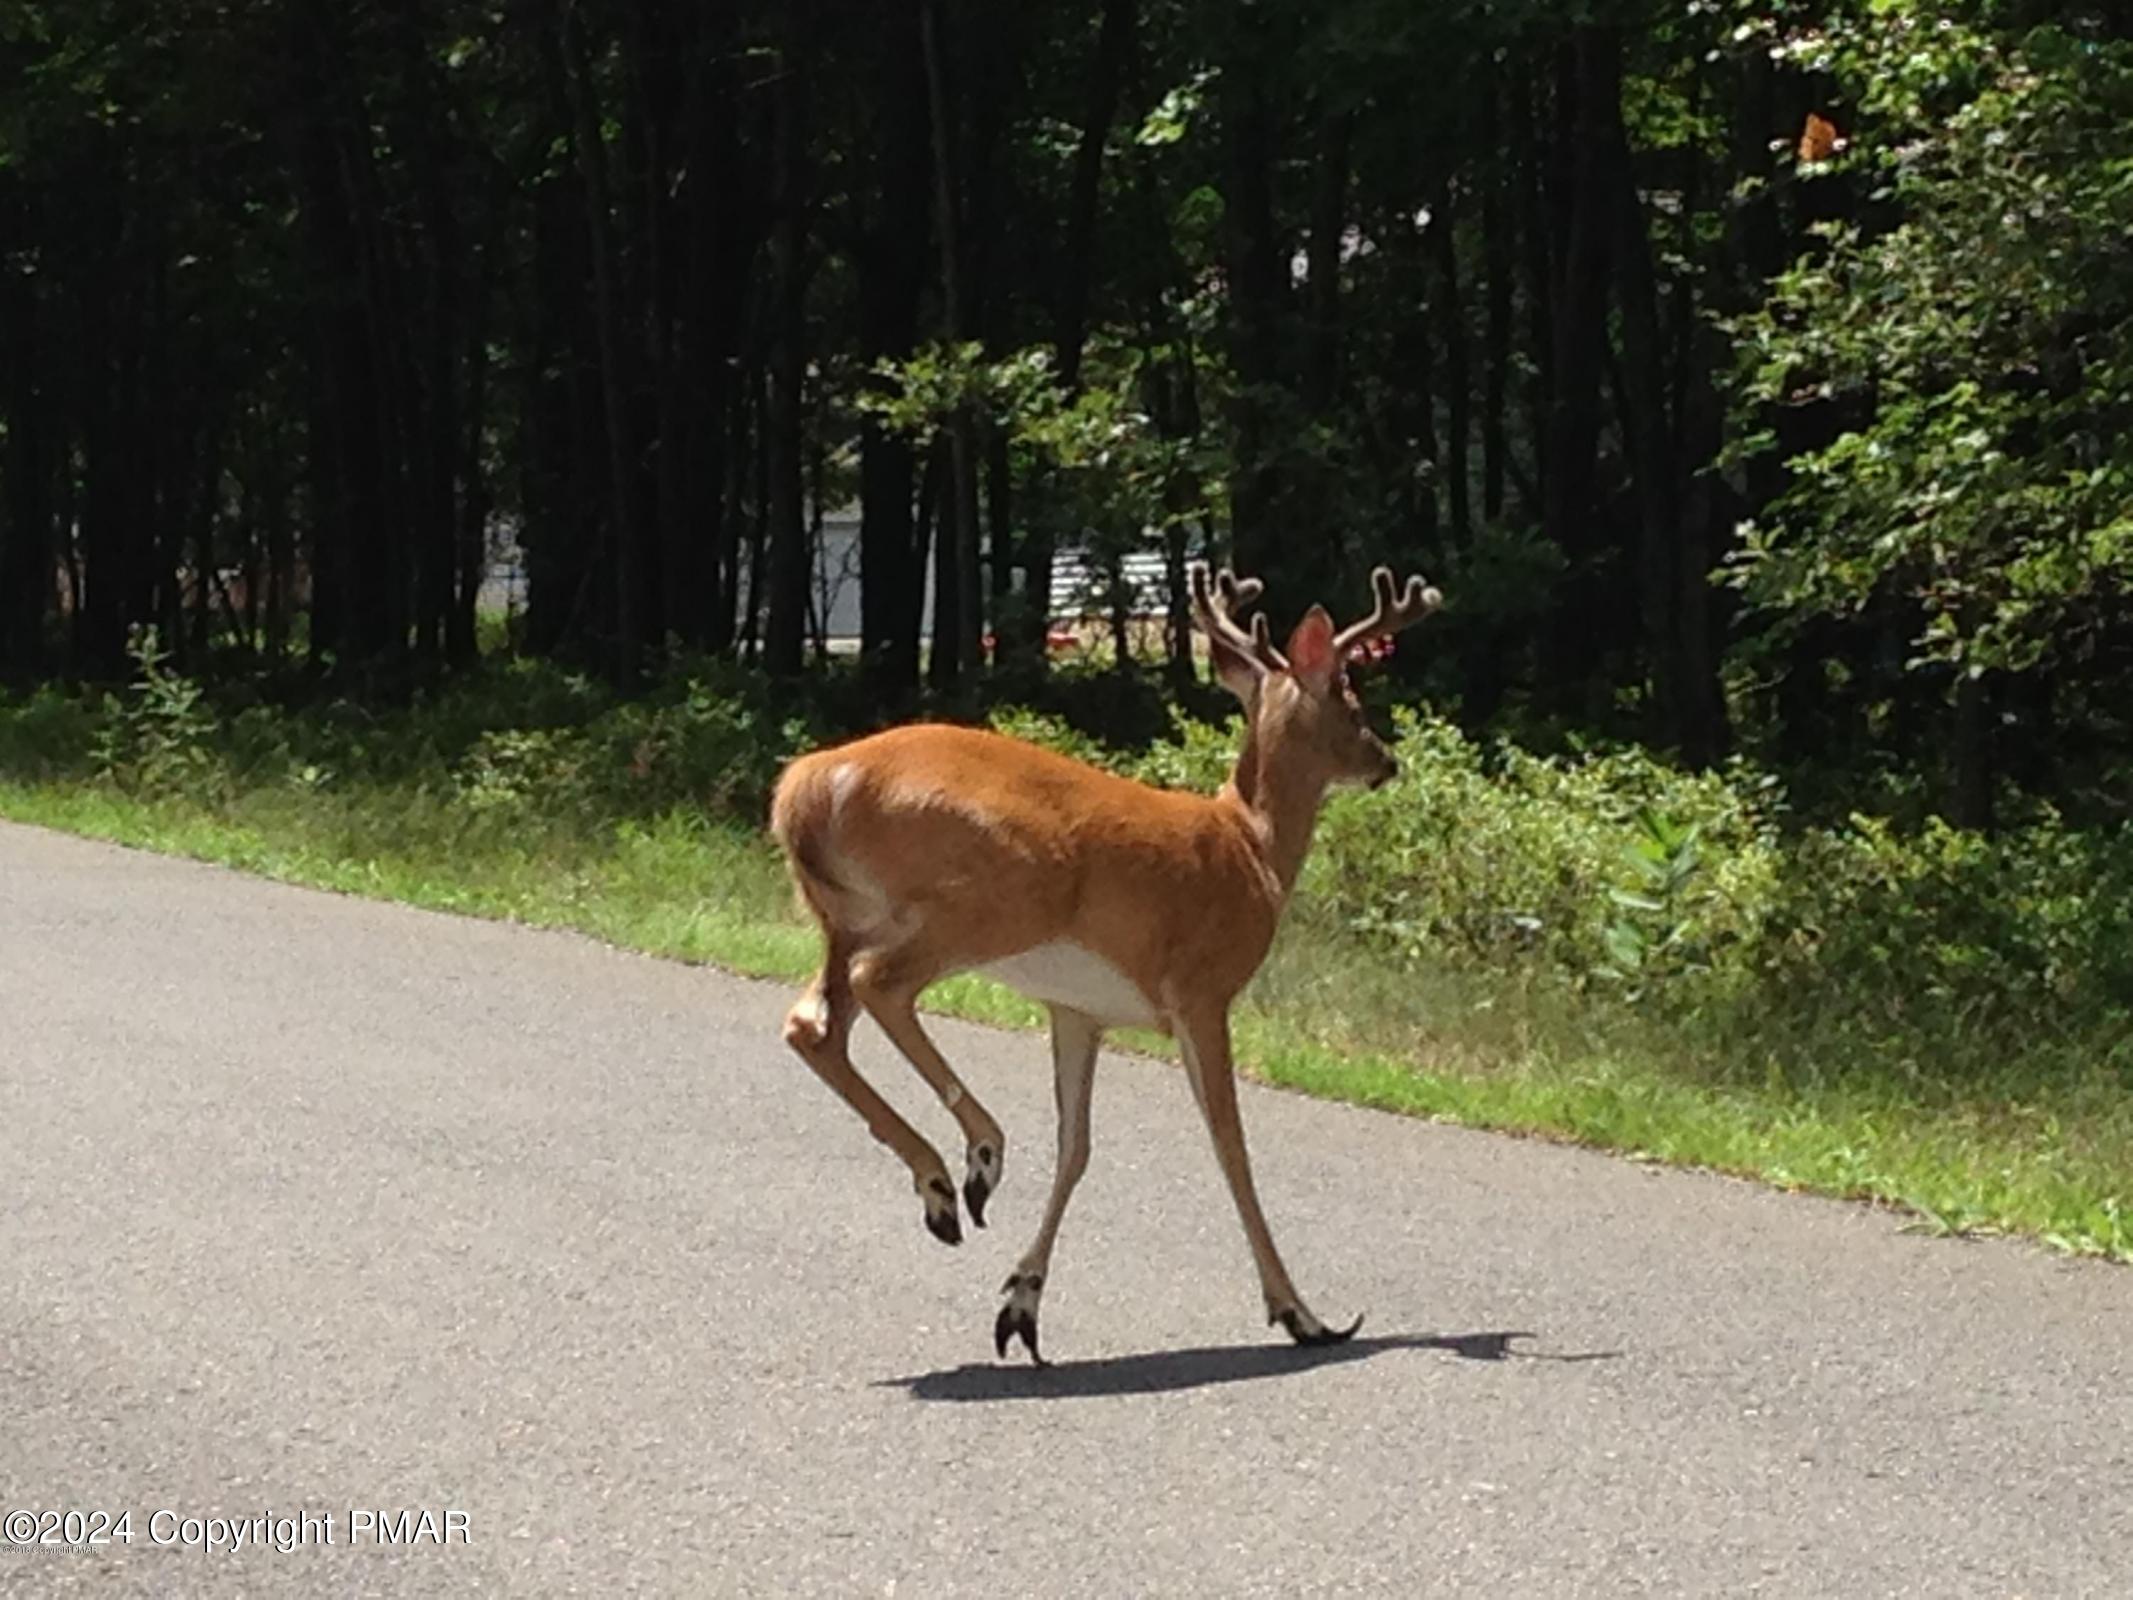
[314, 1205]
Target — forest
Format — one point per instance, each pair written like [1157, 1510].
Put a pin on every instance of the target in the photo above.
[1747, 375]
[1754, 378]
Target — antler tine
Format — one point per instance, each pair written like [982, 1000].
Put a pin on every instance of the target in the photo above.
[1395, 610]
[1216, 601]
[1237, 591]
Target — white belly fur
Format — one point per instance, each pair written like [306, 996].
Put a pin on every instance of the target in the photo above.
[1066, 974]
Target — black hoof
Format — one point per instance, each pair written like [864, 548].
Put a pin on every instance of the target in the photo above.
[977, 1188]
[1011, 1322]
[945, 1226]
[1289, 1320]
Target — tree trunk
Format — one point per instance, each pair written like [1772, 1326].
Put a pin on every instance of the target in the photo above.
[470, 557]
[560, 471]
[1536, 267]
[1496, 256]
[720, 223]
[1648, 427]
[26, 478]
[627, 657]
[727, 620]
[786, 501]
[280, 559]
[942, 670]
[999, 525]
[654, 85]
[1256, 269]
[958, 621]
[1451, 336]
[758, 522]
[349, 520]
[1709, 511]
[1322, 289]
[1590, 77]
[1180, 606]
[891, 270]
[1114, 48]
[1115, 41]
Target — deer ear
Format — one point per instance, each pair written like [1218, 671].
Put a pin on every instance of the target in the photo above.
[1239, 673]
[1310, 650]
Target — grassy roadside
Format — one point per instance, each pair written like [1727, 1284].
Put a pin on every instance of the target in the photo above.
[1329, 1015]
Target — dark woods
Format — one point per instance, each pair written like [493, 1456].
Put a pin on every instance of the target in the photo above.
[309, 310]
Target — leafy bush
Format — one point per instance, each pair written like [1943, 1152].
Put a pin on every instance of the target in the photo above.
[697, 747]
[158, 737]
[1544, 862]
[708, 749]
[550, 771]
[2021, 939]
[48, 734]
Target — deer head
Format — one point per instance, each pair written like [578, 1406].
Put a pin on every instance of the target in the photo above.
[1298, 702]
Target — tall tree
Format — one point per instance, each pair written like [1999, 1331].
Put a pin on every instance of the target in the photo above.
[958, 614]
[785, 504]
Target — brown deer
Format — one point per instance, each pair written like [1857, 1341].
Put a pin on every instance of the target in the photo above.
[929, 850]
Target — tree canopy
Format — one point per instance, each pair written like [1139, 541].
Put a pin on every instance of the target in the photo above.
[1748, 375]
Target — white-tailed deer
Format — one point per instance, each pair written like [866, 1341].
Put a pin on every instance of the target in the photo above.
[929, 850]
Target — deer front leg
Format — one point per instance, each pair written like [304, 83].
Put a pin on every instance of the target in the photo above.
[819, 1029]
[888, 985]
[1074, 1041]
[1203, 1039]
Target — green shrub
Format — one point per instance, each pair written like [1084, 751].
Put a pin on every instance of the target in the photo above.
[1548, 864]
[159, 736]
[708, 749]
[49, 734]
[696, 749]
[551, 772]
[2019, 940]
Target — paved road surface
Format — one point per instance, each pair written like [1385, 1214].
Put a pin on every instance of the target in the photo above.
[314, 1205]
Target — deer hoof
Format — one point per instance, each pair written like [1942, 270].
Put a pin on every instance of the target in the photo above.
[1012, 1322]
[1018, 1318]
[941, 1219]
[1307, 1331]
[982, 1178]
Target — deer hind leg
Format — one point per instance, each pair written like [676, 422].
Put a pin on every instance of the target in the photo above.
[888, 984]
[1204, 1042]
[1074, 1041]
[819, 1028]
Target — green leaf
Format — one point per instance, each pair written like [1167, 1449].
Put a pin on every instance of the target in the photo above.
[1171, 119]
[1626, 945]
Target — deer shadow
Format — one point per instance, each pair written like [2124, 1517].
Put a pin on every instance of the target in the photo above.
[1162, 1371]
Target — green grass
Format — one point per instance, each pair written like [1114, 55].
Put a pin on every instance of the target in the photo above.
[2046, 1153]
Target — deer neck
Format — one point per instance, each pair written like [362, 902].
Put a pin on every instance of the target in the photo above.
[1280, 799]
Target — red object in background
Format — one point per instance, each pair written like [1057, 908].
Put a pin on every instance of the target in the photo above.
[1054, 639]
[1819, 139]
